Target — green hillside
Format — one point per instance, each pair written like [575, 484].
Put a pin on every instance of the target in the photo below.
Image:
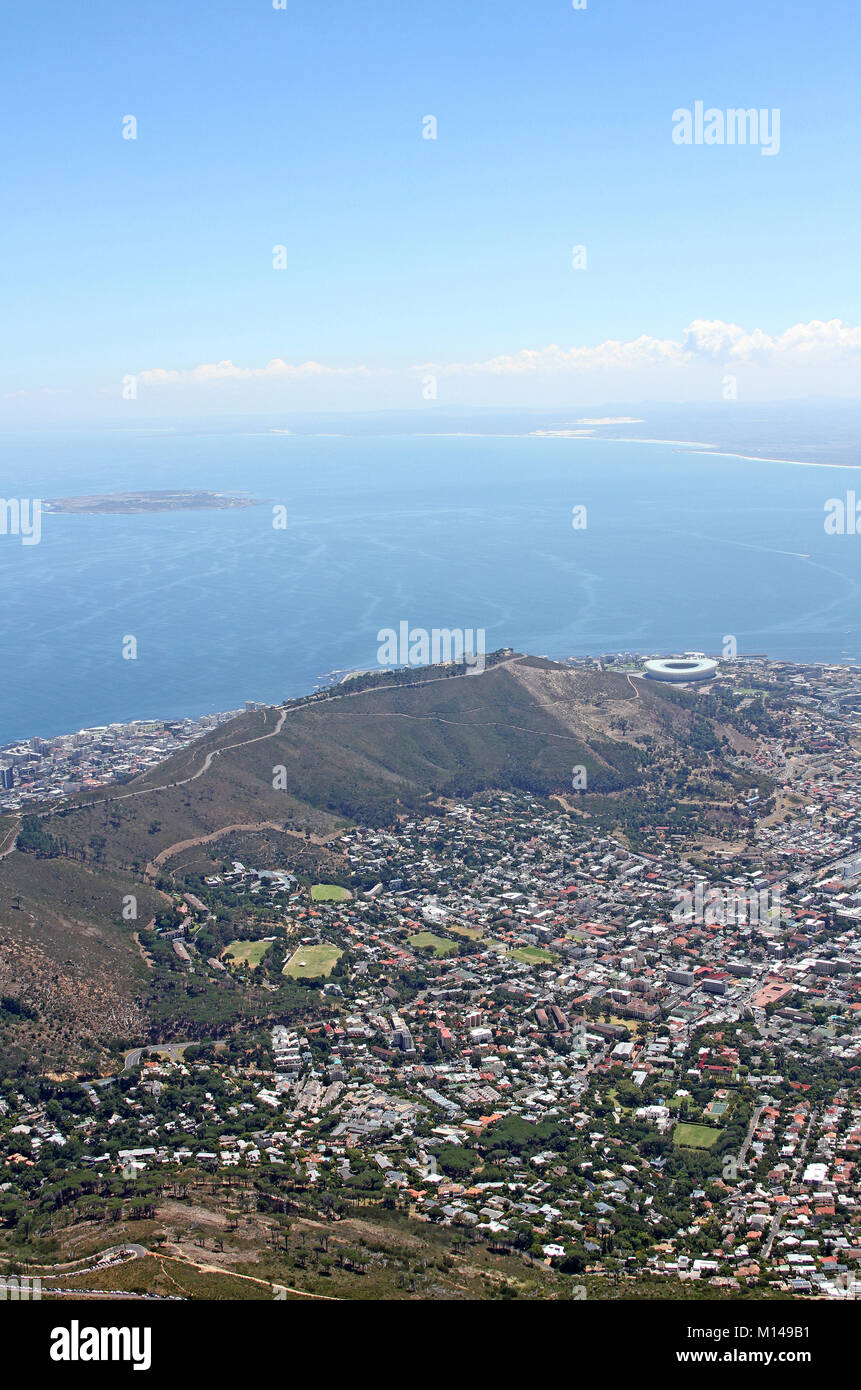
[287, 780]
[367, 756]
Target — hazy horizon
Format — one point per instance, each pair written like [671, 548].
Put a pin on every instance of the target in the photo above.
[498, 205]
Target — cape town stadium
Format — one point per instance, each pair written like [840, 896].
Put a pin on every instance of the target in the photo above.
[681, 668]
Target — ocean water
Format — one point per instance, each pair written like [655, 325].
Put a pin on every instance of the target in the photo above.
[680, 550]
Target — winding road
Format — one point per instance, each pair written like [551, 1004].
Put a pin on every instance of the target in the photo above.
[284, 711]
[12, 838]
[214, 753]
[105, 1260]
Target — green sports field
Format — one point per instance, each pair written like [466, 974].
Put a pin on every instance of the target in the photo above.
[252, 952]
[532, 955]
[695, 1136]
[310, 962]
[329, 893]
[427, 941]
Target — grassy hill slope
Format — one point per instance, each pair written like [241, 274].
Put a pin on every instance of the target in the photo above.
[294, 776]
[372, 754]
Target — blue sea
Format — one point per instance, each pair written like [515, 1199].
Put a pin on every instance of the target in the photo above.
[680, 550]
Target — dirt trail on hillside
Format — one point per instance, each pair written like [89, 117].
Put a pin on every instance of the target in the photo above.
[270, 1284]
[161, 858]
[11, 839]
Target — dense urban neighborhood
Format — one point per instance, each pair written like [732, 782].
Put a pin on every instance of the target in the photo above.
[616, 1060]
[45, 769]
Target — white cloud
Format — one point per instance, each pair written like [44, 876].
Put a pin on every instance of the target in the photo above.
[828, 340]
[819, 357]
[643, 351]
[228, 371]
[703, 340]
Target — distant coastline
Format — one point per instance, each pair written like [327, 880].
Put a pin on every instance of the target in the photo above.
[591, 436]
[121, 503]
[683, 545]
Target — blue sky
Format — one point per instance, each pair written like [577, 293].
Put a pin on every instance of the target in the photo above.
[302, 127]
